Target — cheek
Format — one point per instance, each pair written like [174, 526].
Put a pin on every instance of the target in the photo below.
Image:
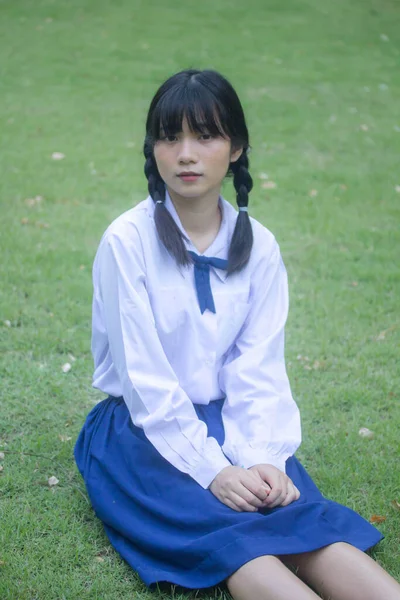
[161, 158]
[220, 157]
[219, 163]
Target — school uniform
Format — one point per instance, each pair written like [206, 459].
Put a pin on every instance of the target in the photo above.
[192, 363]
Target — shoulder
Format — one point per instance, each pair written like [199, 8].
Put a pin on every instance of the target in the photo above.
[124, 235]
[265, 246]
[131, 226]
[136, 219]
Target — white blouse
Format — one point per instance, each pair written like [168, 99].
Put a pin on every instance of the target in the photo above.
[152, 345]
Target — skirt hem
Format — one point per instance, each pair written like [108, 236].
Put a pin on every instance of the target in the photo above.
[193, 580]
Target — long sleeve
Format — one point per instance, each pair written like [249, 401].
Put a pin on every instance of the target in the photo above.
[261, 419]
[151, 389]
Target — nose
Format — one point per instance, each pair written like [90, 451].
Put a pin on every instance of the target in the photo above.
[187, 152]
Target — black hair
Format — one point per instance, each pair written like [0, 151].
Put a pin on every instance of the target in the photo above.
[210, 105]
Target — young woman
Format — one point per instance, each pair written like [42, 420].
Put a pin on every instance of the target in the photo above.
[189, 462]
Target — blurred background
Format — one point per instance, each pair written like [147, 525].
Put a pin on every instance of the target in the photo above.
[319, 82]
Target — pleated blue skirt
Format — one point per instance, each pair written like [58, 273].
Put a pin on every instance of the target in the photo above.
[170, 529]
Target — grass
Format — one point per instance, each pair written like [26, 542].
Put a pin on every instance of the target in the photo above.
[320, 84]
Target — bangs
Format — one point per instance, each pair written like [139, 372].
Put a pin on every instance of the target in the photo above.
[201, 108]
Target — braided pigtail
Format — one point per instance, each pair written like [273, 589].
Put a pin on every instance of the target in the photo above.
[168, 231]
[242, 238]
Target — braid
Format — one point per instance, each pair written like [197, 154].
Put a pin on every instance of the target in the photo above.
[242, 179]
[242, 238]
[168, 231]
[155, 183]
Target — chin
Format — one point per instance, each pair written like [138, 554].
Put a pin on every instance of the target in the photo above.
[188, 192]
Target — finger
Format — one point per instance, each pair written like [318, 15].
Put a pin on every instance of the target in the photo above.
[290, 496]
[278, 491]
[247, 495]
[278, 501]
[241, 504]
[256, 486]
[230, 504]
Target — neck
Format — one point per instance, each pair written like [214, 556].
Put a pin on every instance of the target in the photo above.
[199, 216]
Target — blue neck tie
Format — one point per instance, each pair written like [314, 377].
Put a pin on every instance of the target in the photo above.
[202, 278]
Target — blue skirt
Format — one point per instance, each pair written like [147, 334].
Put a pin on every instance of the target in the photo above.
[168, 528]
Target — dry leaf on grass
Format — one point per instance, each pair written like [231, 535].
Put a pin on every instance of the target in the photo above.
[382, 334]
[377, 519]
[7, 323]
[268, 185]
[397, 188]
[2, 455]
[263, 175]
[364, 432]
[42, 225]
[57, 156]
[99, 559]
[395, 504]
[1, 468]
[52, 481]
[65, 438]
[65, 368]
[33, 201]
[313, 193]
[319, 364]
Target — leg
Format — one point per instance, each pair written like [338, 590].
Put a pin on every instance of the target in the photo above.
[266, 578]
[342, 572]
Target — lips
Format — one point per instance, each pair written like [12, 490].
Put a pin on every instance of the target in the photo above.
[188, 174]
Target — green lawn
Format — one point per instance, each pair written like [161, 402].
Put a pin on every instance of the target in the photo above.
[320, 84]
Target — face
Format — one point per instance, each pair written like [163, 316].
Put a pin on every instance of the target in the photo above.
[207, 156]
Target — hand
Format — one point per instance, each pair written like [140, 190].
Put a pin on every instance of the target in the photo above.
[283, 491]
[240, 489]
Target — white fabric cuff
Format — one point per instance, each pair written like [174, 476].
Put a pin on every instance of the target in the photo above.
[248, 457]
[213, 462]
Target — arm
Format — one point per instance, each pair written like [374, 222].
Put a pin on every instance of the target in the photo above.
[261, 419]
[151, 390]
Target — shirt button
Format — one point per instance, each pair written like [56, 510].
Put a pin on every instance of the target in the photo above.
[209, 362]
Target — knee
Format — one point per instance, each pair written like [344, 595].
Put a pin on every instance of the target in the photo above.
[252, 570]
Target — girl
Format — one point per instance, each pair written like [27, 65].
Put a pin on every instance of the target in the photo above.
[189, 462]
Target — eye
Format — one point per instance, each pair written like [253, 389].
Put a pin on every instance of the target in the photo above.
[208, 136]
[169, 138]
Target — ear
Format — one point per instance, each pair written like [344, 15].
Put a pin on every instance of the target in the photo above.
[236, 154]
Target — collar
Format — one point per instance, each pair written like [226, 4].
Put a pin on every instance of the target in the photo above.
[220, 245]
